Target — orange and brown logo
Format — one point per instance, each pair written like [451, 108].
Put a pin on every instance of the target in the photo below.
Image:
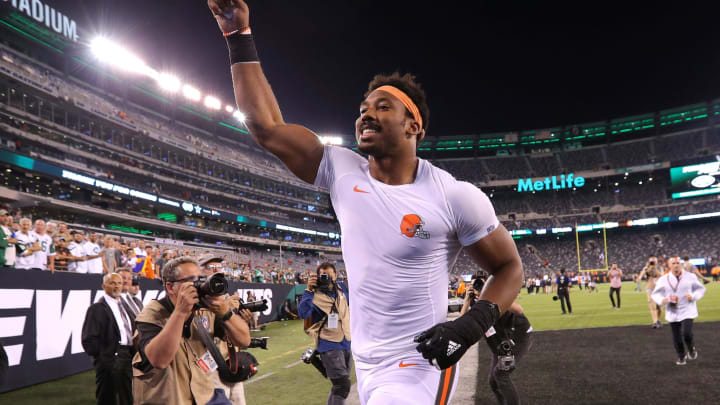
[412, 227]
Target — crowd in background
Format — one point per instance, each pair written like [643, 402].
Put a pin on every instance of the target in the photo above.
[54, 246]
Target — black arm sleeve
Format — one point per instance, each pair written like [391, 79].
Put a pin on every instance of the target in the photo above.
[146, 333]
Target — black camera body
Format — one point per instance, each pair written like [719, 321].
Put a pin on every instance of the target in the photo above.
[324, 281]
[506, 358]
[213, 286]
[258, 343]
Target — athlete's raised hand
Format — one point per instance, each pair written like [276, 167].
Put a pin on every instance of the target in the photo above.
[231, 15]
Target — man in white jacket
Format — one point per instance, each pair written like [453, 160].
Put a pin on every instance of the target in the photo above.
[678, 291]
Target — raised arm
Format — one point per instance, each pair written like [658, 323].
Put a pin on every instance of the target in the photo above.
[298, 147]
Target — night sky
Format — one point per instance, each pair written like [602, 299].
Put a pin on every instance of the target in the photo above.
[487, 66]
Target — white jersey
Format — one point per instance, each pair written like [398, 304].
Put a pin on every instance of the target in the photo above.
[77, 250]
[399, 244]
[94, 266]
[25, 260]
[47, 248]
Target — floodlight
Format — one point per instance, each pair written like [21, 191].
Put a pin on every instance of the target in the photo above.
[111, 53]
[191, 93]
[169, 82]
[332, 140]
[239, 116]
[229, 109]
[212, 103]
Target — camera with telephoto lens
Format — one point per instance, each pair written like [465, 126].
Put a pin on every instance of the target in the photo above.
[506, 358]
[254, 306]
[258, 343]
[213, 286]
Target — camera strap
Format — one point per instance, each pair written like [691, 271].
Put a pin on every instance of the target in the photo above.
[242, 365]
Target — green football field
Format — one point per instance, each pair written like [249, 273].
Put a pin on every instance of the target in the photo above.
[283, 379]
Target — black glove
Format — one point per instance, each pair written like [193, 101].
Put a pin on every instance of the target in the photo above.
[445, 343]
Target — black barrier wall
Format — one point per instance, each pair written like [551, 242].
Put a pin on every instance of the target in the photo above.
[41, 318]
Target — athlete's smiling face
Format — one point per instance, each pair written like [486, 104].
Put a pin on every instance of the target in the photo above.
[384, 127]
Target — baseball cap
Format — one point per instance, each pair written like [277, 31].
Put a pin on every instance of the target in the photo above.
[74, 231]
[209, 257]
[3, 212]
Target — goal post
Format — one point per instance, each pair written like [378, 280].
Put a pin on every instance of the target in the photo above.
[577, 245]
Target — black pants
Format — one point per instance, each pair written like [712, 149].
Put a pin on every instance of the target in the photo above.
[682, 333]
[564, 296]
[500, 382]
[337, 365]
[617, 292]
[114, 380]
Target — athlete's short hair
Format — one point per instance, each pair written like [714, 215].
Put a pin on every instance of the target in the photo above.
[407, 83]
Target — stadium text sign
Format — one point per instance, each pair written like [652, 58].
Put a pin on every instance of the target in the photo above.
[43, 13]
[550, 183]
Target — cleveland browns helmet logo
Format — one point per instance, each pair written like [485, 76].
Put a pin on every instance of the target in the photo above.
[412, 227]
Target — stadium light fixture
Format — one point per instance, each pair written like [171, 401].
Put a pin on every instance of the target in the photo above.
[112, 53]
[229, 109]
[191, 93]
[169, 82]
[239, 116]
[331, 140]
[212, 103]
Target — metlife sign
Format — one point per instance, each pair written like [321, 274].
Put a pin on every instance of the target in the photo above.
[550, 183]
[45, 14]
[42, 314]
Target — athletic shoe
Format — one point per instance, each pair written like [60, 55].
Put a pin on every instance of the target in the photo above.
[692, 355]
[659, 324]
[681, 361]
[654, 325]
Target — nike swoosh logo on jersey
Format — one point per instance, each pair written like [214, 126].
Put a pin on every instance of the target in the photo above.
[357, 190]
[403, 365]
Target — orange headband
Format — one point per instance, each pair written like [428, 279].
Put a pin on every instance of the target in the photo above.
[407, 101]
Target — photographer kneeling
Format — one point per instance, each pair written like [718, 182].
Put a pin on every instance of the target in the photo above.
[509, 340]
[173, 365]
[325, 304]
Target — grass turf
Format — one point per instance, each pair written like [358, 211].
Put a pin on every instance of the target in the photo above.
[282, 380]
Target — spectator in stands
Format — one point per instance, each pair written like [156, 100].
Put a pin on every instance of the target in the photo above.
[62, 230]
[45, 257]
[92, 252]
[148, 269]
[78, 256]
[108, 256]
[107, 337]
[168, 335]
[27, 240]
[51, 228]
[7, 241]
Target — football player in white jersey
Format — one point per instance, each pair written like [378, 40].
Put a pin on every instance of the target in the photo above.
[403, 223]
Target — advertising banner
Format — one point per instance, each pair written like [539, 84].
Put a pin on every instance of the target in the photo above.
[42, 314]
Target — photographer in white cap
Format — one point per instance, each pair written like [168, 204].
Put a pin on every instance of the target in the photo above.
[679, 291]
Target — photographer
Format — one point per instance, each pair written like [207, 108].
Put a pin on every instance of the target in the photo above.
[173, 365]
[325, 304]
[509, 340]
[653, 272]
[235, 392]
